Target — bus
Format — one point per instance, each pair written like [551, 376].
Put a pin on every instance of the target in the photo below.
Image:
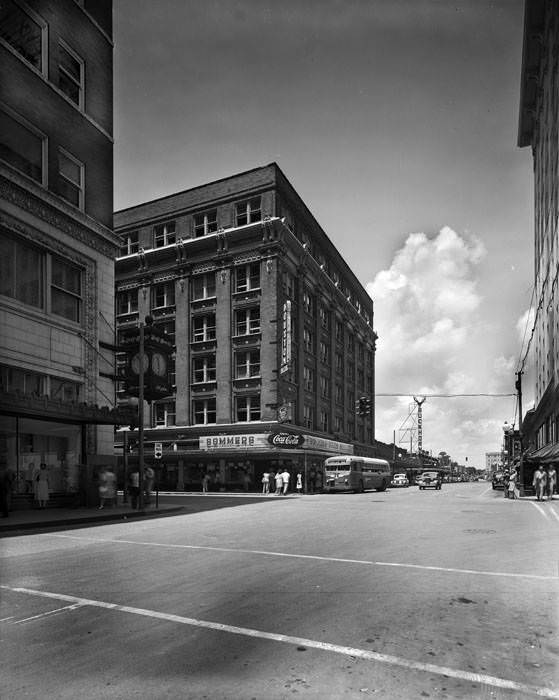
[350, 473]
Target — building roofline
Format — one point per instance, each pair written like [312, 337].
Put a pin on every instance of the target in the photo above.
[534, 13]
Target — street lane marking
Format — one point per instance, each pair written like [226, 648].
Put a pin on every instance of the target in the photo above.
[309, 556]
[554, 513]
[365, 654]
[542, 511]
[50, 612]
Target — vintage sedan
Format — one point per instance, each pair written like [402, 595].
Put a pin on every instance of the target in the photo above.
[429, 480]
[399, 480]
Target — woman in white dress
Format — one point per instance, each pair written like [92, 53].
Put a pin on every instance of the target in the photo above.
[42, 482]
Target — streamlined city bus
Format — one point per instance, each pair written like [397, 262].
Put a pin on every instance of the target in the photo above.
[350, 473]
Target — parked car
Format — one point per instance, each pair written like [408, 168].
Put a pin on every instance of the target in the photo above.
[430, 480]
[498, 480]
[400, 480]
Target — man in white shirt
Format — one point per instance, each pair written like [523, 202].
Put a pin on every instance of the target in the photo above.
[285, 479]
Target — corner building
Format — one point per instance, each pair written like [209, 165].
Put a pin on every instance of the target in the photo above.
[57, 249]
[538, 128]
[273, 333]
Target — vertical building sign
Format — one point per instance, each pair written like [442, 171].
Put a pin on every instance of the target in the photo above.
[286, 338]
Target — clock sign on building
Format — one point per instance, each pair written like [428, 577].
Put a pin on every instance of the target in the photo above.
[153, 362]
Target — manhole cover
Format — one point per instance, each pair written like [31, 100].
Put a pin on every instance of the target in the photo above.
[480, 532]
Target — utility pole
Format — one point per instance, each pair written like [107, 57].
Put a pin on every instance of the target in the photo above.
[518, 387]
[141, 421]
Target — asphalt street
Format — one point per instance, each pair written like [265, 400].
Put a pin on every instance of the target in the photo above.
[396, 595]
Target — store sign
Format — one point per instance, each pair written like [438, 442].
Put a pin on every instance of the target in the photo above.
[316, 443]
[286, 440]
[234, 442]
[286, 338]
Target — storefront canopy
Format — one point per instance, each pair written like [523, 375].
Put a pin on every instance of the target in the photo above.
[46, 408]
[549, 453]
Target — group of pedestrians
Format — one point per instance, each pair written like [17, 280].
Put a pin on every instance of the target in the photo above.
[544, 482]
[280, 480]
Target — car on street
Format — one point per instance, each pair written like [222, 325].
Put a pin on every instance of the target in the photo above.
[498, 480]
[400, 480]
[430, 480]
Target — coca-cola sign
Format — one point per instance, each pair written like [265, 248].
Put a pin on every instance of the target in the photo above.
[286, 440]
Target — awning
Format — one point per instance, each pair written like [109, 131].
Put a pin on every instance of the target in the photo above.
[549, 453]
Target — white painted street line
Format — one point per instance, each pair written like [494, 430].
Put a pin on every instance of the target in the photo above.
[554, 513]
[365, 654]
[4, 619]
[475, 572]
[541, 510]
[50, 612]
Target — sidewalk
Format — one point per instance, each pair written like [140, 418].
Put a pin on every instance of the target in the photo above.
[35, 519]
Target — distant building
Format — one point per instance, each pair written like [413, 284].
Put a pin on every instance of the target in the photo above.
[273, 332]
[493, 461]
[57, 249]
[538, 128]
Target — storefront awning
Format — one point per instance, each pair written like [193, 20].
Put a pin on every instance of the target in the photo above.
[46, 408]
[549, 453]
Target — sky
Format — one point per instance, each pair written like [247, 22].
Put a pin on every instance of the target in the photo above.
[396, 121]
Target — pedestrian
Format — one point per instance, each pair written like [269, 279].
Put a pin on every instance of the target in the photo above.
[285, 479]
[6, 483]
[42, 485]
[279, 483]
[512, 484]
[30, 474]
[149, 476]
[205, 482]
[551, 481]
[134, 487]
[266, 482]
[506, 483]
[538, 482]
[299, 485]
[110, 483]
[102, 488]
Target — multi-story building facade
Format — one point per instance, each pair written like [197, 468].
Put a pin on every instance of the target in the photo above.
[538, 128]
[57, 249]
[493, 460]
[273, 332]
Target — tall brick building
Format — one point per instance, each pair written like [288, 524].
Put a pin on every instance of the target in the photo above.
[538, 128]
[57, 248]
[273, 332]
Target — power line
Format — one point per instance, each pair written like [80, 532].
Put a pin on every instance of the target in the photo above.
[446, 396]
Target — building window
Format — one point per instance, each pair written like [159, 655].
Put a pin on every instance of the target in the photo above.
[339, 396]
[70, 185]
[64, 390]
[203, 328]
[308, 339]
[350, 371]
[66, 290]
[130, 243]
[71, 74]
[324, 353]
[164, 413]
[324, 387]
[338, 424]
[247, 364]
[350, 342]
[360, 352]
[127, 302]
[308, 416]
[339, 332]
[15, 379]
[324, 422]
[309, 302]
[22, 146]
[205, 223]
[308, 378]
[25, 32]
[290, 286]
[247, 277]
[203, 369]
[247, 321]
[360, 379]
[203, 286]
[164, 234]
[248, 408]
[324, 316]
[203, 411]
[339, 363]
[249, 211]
[21, 271]
[163, 295]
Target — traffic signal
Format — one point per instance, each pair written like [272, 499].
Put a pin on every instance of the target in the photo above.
[364, 406]
[158, 450]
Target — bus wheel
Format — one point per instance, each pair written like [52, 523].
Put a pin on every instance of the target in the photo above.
[383, 487]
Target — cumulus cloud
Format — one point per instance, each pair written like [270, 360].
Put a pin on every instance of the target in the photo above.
[432, 339]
